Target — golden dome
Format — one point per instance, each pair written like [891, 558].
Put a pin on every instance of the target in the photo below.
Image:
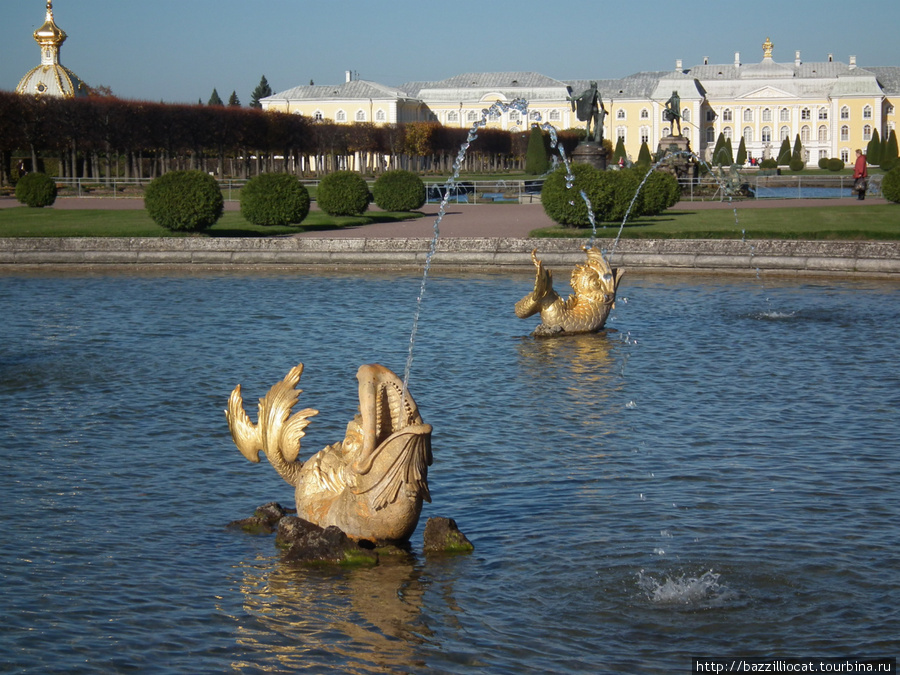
[50, 35]
[50, 78]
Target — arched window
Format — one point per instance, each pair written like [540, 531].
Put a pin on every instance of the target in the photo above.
[867, 112]
[453, 116]
[686, 115]
[845, 112]
[360, 115]
[318, 116]
[805, 114]
[645, 114]
[767, 134]
[823, 133]
[845, 133]
[620, 133]
[845, 155]
[380, 115]
[726, 115]
[686, 133]
[767, 115]
[823, 113]
[710, 134]
[340, 116]
[515, 117]
[472, 116]
[645, 134]
[748, 134]
[784, 115]
[666, 132]
[748, 114]
[804, 133]
[534, 116]
[620, 114]
[555, 116]
[867, 133]
[784, 132]
[726, 132]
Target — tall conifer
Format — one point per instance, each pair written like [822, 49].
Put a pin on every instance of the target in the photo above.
[262, 90]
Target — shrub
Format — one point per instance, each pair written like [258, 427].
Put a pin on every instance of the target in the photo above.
[184, 200]
[797, 164]
[274, 199]
[823, 163]
[565, 205]
[890, 185]
[644, 156]
[343, 193]
[660, 191]
[399, 190]
[769, 163]
[834, 164]
[537, 158]
[36, 190]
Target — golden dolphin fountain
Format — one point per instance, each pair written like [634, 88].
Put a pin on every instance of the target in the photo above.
[372, 484]
[586, 310]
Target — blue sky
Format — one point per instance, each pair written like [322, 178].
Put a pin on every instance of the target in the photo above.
[178, 50]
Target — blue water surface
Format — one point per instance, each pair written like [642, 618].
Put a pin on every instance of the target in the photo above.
[716, 473]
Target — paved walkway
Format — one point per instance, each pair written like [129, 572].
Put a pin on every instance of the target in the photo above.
[465, 220]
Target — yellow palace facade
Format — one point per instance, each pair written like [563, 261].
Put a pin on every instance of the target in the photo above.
[834, 107]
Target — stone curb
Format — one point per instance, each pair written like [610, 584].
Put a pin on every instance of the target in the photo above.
[862, 258]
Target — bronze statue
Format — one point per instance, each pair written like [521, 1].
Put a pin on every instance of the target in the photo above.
[585, 311]
[372, 484]
[673, 113]
[589, 108]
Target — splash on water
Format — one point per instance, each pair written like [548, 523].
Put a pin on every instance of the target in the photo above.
[686, 590]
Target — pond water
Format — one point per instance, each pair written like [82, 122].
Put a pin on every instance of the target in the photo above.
[714, 474]
[802, 192]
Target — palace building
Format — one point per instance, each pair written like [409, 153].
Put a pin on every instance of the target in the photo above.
[51, 78]
[833, 107]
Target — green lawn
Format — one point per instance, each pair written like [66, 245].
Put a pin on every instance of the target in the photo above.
[869, 222]
[27, 222]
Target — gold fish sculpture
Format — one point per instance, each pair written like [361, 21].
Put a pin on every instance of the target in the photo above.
[372, 484]
[586, 310]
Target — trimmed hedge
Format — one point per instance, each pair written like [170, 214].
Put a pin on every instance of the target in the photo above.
[890, 185]
[184, 201]
[274, 199]
[834, 164]
[769, 163]
[36, 190]
[343, 193]
[399, 190]
[564, 205]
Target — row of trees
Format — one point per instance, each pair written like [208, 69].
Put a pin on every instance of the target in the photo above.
[105, 138]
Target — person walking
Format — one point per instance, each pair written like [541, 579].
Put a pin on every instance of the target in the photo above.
[860, 173]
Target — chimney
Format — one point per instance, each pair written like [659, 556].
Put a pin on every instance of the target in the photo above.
[830, 58]
[705, 60]
[852, 62]
[678, 64]
[737, 59]
[797, 60]
[348, 76]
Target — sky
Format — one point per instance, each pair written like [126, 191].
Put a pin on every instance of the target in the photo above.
[178, 51]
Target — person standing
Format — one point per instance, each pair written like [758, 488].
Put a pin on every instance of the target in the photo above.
[860, 173]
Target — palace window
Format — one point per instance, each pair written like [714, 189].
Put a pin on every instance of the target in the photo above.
[867, 112]
[889, 109]
[784, 115]
[726, 132]
[784, 132]
[845, 155]
[726, 115]
[845, 133]
[555, 116]
[805, 114]
[748, 134]
[666, 132]
[645, 114]
[867, 133]
[645, 134]
[767, 134]
[767, 115]
[380, 115]
[710, 134]
[823, 134]
[534, 116]
[620, 133]
[823, 113]
[340, 116]
[472, 116]
[710, 115]
[318, 116]
[804, 133]
[686, 133]
[748, 115]
[845, 112]
[360, 115]
[453, 116]
[686, 115]
[823, 154]
[620, 114]
[515, 116]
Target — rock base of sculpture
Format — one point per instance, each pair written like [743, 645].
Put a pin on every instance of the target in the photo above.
[306, 543]
[677, 157]
[589, 152]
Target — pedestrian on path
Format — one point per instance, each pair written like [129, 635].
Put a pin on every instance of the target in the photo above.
[860, 174]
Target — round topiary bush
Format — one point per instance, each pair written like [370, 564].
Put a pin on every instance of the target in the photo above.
[823, 163]
[834, 164]
[660, 191]
[797, 165]
[565, 205]
[343, 193]
[274, 199]
[769, 163]
[399, 190]
[890, 185]
[184, 200]
[36, 190]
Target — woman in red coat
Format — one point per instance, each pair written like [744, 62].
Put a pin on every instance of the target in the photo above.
[860, 174]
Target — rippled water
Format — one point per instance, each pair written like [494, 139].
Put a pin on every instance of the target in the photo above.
[715, 474]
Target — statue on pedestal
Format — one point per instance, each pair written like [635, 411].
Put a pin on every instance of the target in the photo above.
[588, 106]
[673, 112]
